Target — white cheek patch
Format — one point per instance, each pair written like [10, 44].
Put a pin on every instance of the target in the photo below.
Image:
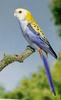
[21, 16]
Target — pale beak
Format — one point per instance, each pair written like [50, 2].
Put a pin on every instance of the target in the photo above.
[15, 13]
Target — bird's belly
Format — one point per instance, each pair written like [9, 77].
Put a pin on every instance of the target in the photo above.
[26, 34]
[28, 39]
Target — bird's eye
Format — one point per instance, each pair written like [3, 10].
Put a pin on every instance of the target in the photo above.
[20, 11]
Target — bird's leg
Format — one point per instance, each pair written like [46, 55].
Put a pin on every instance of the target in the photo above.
[40, 51]
[31, 48]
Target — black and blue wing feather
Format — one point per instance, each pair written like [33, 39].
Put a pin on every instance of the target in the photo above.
[42, 42]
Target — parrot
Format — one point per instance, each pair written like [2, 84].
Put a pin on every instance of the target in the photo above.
[36, 39]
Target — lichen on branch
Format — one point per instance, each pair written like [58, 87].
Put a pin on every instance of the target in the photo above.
[8, 59]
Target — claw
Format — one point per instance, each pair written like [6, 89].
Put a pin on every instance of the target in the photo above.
[31, 48]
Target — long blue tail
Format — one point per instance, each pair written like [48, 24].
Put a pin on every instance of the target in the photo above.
[48, 74]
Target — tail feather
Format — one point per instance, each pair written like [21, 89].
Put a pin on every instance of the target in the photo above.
[48, 74]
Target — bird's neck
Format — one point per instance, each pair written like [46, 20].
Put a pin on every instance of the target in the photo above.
[29, 17]
[23, 24]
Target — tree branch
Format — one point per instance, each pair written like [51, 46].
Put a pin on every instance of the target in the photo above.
[8, 59]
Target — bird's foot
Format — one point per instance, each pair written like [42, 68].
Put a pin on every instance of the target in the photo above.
[31, 48]
[40, 51]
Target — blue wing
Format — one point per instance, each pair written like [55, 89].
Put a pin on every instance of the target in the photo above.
[40, 41]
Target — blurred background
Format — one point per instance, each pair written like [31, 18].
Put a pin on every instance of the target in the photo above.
[27, 80]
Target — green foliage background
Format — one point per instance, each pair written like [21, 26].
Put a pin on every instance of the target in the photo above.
[56, 12]
[36, 87]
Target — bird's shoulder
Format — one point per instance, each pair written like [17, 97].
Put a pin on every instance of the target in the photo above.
[37, 29]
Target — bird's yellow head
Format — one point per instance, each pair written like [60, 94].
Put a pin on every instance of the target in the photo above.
[23, 14]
